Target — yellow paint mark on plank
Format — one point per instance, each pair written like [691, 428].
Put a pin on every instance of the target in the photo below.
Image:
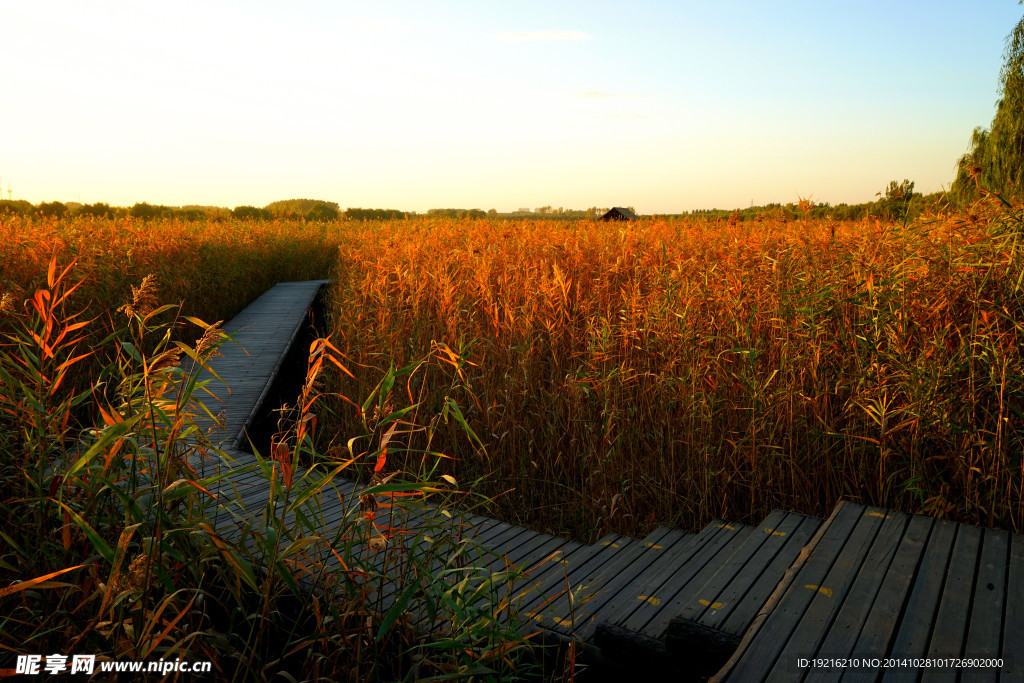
[827, 592]
[876, 514]
[653, 546]
[610, 544]
[772, 532]
[725, 526]
[651, 599]
[712, 605]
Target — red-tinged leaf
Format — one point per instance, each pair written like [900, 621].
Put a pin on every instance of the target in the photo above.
[340, 366]
[381, 459]
[71, 361]
[112, 454]
[110, 419]
[23, 585]
[202, 488]
[51, 272]
[68, 329]
[55, 485]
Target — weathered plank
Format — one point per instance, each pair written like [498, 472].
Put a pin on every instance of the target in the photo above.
[884, 614]
[761, 654]
[985, 629]
[711, 591]
[853, 608]
[601, 585]
[915, 627]
[693, 593]
[753, 585]
[950, 629]
[632, 590]
[828, 595]
[1012, 650]
[558, 586]
[706, 544]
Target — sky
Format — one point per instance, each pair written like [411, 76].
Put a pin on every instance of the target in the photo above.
[663, 106]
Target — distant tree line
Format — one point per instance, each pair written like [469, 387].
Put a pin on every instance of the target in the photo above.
[457, 213]
[896, 202]
[375, 214]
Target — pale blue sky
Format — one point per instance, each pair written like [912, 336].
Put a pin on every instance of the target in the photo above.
[666, 106]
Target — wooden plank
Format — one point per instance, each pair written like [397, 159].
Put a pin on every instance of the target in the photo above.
[772, 531]
[671, 578]
[647, 584]
[985, 630]
[539, 547]
[749, 590]
[486, 554]
[566, 575]
[606, 582]
[760, 654]
[828, 595]
[915, 629]
[880, 623]
[1012, 650]
[695, 594]
[550, 575]
[950, 630]
[545, 550]
[528, 555]
[855, 607]
[649, 618]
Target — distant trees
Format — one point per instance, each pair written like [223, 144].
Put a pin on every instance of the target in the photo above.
[458, 213]
[52, 209]
[895, 204]
[323, 211]
[251, 212]
[374, 214]
[17, 207]
[97, 210]
[310, 209]
[995, 159]
[150, 211]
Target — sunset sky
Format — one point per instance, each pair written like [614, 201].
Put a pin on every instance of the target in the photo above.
[665, 106]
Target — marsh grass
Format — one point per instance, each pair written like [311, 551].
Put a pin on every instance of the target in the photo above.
[114, 539]
[677, 371]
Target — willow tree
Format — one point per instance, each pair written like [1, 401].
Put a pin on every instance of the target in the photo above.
[995, 160]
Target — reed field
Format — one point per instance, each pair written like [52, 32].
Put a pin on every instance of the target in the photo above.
[574, 376]
[675, 371]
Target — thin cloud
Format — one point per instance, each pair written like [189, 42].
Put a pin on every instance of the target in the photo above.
[542, 36]
[601, 95]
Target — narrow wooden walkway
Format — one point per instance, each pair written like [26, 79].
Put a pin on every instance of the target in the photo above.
[765, 601]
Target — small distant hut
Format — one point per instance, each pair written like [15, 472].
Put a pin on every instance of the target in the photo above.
[619, 214]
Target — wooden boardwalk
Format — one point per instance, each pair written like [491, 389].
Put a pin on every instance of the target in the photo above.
[736, 602]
